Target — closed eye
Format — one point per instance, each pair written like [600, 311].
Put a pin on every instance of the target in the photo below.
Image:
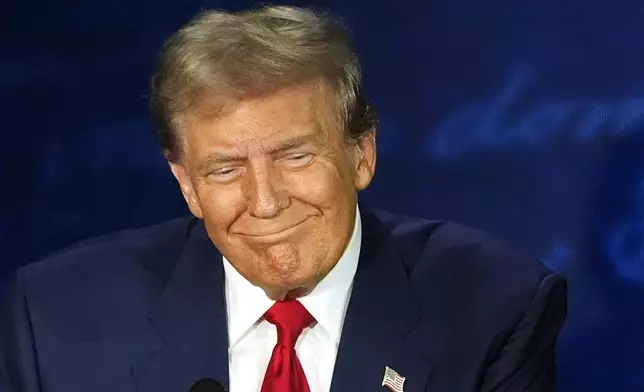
[225, 173]
[298, 158]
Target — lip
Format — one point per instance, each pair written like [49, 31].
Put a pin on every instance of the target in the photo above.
[275, 236]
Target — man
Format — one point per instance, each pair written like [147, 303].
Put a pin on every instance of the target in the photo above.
[279, 282]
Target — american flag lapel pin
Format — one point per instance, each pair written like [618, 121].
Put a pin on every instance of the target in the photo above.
[393, 380]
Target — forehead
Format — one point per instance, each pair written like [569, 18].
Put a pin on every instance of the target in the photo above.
[291, 111]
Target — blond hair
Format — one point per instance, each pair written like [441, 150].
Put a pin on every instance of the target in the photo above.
[224, 54]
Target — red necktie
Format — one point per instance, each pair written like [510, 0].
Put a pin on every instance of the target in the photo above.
[284, 372]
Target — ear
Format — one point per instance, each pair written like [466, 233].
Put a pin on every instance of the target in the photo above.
[365, 160]
[187, 189]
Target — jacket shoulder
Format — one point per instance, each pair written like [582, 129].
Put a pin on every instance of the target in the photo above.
[442, 244]
[155, 242]
[107, 283]
[462, 263]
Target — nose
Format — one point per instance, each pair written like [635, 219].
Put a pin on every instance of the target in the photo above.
[264, 191]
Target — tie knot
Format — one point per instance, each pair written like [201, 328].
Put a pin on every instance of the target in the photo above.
[290, 318]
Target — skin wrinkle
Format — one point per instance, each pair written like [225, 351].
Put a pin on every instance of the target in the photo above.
[282, 217]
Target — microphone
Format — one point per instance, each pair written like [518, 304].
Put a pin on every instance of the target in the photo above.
[207, 385]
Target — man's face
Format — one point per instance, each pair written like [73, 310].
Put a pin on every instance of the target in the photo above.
[276, 184]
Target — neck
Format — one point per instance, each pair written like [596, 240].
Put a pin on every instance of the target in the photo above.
[287, 295]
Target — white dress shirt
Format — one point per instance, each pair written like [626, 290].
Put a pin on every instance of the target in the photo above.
[251, 339]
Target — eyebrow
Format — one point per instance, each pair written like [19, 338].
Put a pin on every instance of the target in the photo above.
[226, 157]
[294, 143]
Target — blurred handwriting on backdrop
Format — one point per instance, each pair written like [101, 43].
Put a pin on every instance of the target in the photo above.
[523, 118]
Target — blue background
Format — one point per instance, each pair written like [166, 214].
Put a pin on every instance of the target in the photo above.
[523, 118]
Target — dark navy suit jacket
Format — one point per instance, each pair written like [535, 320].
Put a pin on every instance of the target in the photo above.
[143, 310]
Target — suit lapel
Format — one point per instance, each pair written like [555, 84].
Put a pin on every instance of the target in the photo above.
[190, 319]
[379, 325]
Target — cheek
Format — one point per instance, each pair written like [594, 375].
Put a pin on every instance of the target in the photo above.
[220, 204]
[323, 186]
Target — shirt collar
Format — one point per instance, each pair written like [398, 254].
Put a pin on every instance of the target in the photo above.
[327, 303]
